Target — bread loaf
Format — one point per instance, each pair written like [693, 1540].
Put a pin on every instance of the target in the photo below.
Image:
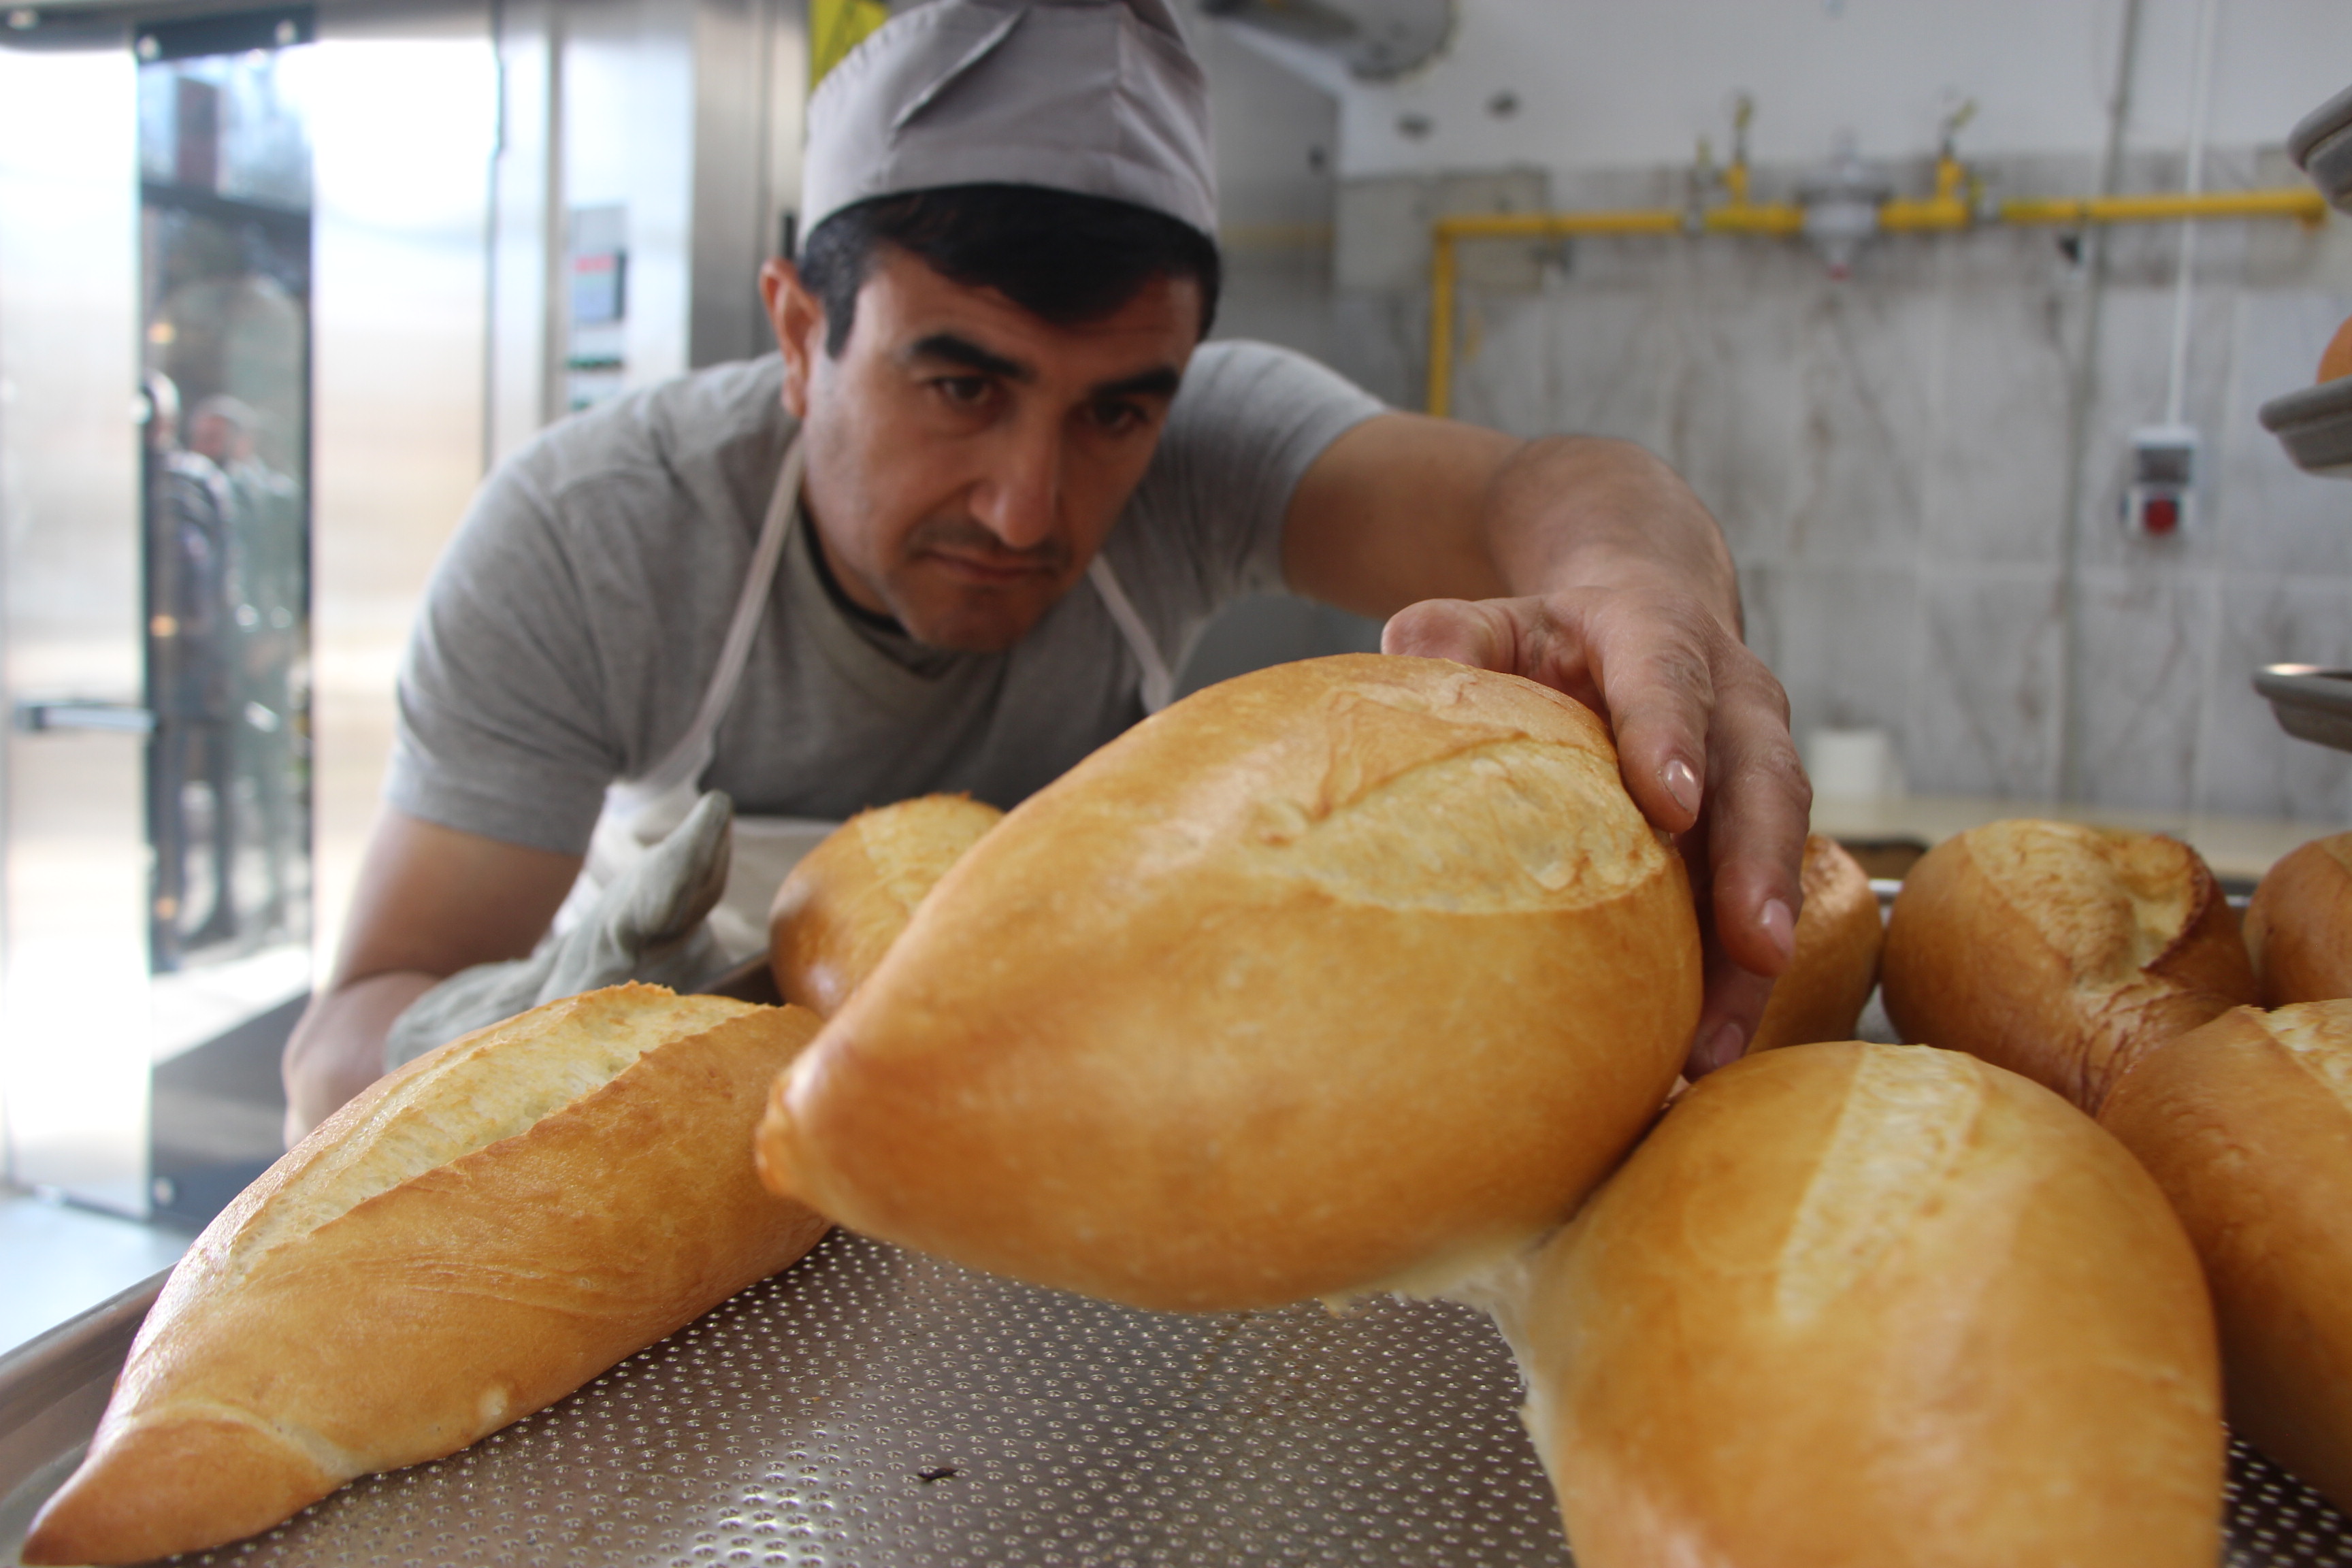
[2247, 1126]
[2299, 924]
[473, 1237]
[851, 896]
[1855, 1306]
[2336, 359]
[1347, 974]
[1821, 994]
[2059, 951]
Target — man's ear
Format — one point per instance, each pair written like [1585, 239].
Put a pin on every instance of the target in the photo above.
[798, 318]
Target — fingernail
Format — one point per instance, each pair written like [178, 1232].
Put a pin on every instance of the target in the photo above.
[1722, 1047]
[1779, 926]
[1683, 785]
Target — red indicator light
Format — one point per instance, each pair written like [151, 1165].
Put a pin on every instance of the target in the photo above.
[2161, 516]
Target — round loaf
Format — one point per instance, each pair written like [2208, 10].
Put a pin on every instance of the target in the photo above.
[2299, 924]
[850, 896]
[1343, 976]
[2061, 951]
[1857, 1306]
[2247, 1126]
[1821, 994]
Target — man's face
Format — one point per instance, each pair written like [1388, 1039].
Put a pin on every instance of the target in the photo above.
[965, 457]
[219, 438]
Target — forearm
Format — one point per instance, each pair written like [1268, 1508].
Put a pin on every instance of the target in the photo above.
[1577, 511]
[337, 1049]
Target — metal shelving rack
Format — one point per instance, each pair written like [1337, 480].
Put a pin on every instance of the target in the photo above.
[2315, 424]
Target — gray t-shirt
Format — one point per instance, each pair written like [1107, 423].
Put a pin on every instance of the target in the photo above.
[573, 626]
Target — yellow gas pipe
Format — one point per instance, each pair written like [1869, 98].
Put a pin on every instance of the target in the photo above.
[1949, 208]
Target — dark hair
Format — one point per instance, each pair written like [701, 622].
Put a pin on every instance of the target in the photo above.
[1065, 258]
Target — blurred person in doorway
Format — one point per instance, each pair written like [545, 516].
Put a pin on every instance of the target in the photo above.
[190, 679]
[268, 571]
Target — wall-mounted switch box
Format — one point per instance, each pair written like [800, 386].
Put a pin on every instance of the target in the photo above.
[2160, 500]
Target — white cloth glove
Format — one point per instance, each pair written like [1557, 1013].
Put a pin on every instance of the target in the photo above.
[648, 924]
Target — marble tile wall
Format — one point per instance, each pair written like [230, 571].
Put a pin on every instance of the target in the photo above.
[1890, 458]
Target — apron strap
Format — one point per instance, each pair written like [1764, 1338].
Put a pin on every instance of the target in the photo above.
[682, 767]
[1159, 680]
[685, 762]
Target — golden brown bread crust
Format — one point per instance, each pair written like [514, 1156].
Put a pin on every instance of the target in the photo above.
[2299, 924]
[286, 1356]
[1343, 973]
[2336, 359]
[2061, 951]
[1856, 1305]
[1821, 994]
[851, 896]
[2247, 1126]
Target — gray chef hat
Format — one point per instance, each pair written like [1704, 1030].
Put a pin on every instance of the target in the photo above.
[1097, 97]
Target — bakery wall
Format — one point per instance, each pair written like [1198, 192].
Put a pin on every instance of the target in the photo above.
[1904, 461]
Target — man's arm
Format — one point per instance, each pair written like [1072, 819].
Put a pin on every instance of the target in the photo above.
[1588, 566]
[432, 901]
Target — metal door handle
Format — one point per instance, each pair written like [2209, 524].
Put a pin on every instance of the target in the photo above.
[121, 717]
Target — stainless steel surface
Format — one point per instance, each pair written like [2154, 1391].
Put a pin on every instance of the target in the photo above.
[2321, 143]
[118, 718]
[875, 1408]
[2312, 704]
[750, 76]
[697, 147]
[627, 104]
[525, 347]
[73, 887]
[52, 1391]
[2314, 423]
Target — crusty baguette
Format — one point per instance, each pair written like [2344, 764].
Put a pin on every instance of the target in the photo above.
[2247, 1126]
[2299, 924]
[2061, 951]
[472, 1238]
[1821, 994]
[850, 896]
[1856, 1305]
[1345, 975]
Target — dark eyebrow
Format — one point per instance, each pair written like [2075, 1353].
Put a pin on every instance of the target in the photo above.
[1158, 381]
[970, 356]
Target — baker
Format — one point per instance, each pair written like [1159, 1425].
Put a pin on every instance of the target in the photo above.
[958, 533]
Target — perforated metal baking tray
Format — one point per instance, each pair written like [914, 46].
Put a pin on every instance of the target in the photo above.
[875, 1407]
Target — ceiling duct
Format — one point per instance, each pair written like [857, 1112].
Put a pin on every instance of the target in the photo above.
[1376, 40]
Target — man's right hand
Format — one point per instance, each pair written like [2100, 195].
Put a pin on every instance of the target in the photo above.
[431, 901]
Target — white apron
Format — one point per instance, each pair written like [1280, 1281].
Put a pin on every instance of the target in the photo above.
[639, 812]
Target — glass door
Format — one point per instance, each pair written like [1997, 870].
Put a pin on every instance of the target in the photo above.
[155, 434]
[224, 248]
[225, 261]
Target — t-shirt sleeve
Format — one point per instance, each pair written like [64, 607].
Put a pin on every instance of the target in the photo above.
[1250, 421]
[501, 725]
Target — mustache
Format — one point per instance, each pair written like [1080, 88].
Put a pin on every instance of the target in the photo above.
[961, 536]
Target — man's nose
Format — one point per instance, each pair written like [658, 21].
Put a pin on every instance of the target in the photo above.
[1019, 497]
